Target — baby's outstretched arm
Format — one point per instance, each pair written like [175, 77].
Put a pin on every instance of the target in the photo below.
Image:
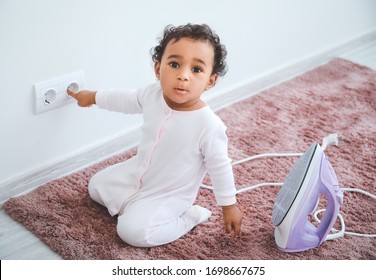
[232, 218]
[85, 98]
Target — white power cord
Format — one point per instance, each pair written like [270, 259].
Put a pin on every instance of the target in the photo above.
[267, 155]
[247, 188]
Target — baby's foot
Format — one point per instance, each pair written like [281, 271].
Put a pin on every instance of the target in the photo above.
[198, 214]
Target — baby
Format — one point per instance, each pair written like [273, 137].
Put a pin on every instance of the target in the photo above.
[182, 139]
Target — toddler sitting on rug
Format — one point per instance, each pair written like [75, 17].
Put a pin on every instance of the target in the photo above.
[153, 192]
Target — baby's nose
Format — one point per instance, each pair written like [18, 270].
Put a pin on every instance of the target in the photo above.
[183, 75]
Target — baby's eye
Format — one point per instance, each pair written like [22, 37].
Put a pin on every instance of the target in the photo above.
[197, 70]
[174, 64]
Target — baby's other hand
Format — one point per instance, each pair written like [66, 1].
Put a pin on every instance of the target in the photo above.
[85, 98]
[232, 218]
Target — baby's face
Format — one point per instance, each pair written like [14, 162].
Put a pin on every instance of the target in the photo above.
[185, 72]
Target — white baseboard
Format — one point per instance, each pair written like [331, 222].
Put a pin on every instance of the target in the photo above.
[27, 182]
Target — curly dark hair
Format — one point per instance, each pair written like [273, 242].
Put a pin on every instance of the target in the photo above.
[196, 32]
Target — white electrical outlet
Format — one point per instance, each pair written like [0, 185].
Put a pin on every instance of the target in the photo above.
[51, 94]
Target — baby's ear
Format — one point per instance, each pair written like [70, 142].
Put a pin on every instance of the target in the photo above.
[157, 69]
[212, 81]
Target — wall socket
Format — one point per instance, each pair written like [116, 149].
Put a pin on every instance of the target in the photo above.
[51, 94]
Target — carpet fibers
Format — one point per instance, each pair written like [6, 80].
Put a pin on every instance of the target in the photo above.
[338, 97]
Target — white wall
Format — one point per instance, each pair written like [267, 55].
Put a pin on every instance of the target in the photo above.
[110, 40]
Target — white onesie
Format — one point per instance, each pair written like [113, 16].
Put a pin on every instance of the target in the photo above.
[153, 192]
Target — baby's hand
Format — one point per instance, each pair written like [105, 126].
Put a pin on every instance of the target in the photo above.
[232, 217]
[85, 98]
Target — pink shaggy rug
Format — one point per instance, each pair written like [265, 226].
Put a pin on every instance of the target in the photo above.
[339, 97]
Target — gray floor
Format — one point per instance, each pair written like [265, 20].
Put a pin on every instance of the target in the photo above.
[17, 243]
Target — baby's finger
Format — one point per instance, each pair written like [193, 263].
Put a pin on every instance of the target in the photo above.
[236, 230]
[228, 227]
[71, 93]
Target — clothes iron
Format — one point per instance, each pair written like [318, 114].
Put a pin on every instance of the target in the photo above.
[311, 176]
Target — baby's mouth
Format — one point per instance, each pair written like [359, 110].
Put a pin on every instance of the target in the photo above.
[181, 90]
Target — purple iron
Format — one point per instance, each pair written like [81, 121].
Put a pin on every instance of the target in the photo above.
[311, 176]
